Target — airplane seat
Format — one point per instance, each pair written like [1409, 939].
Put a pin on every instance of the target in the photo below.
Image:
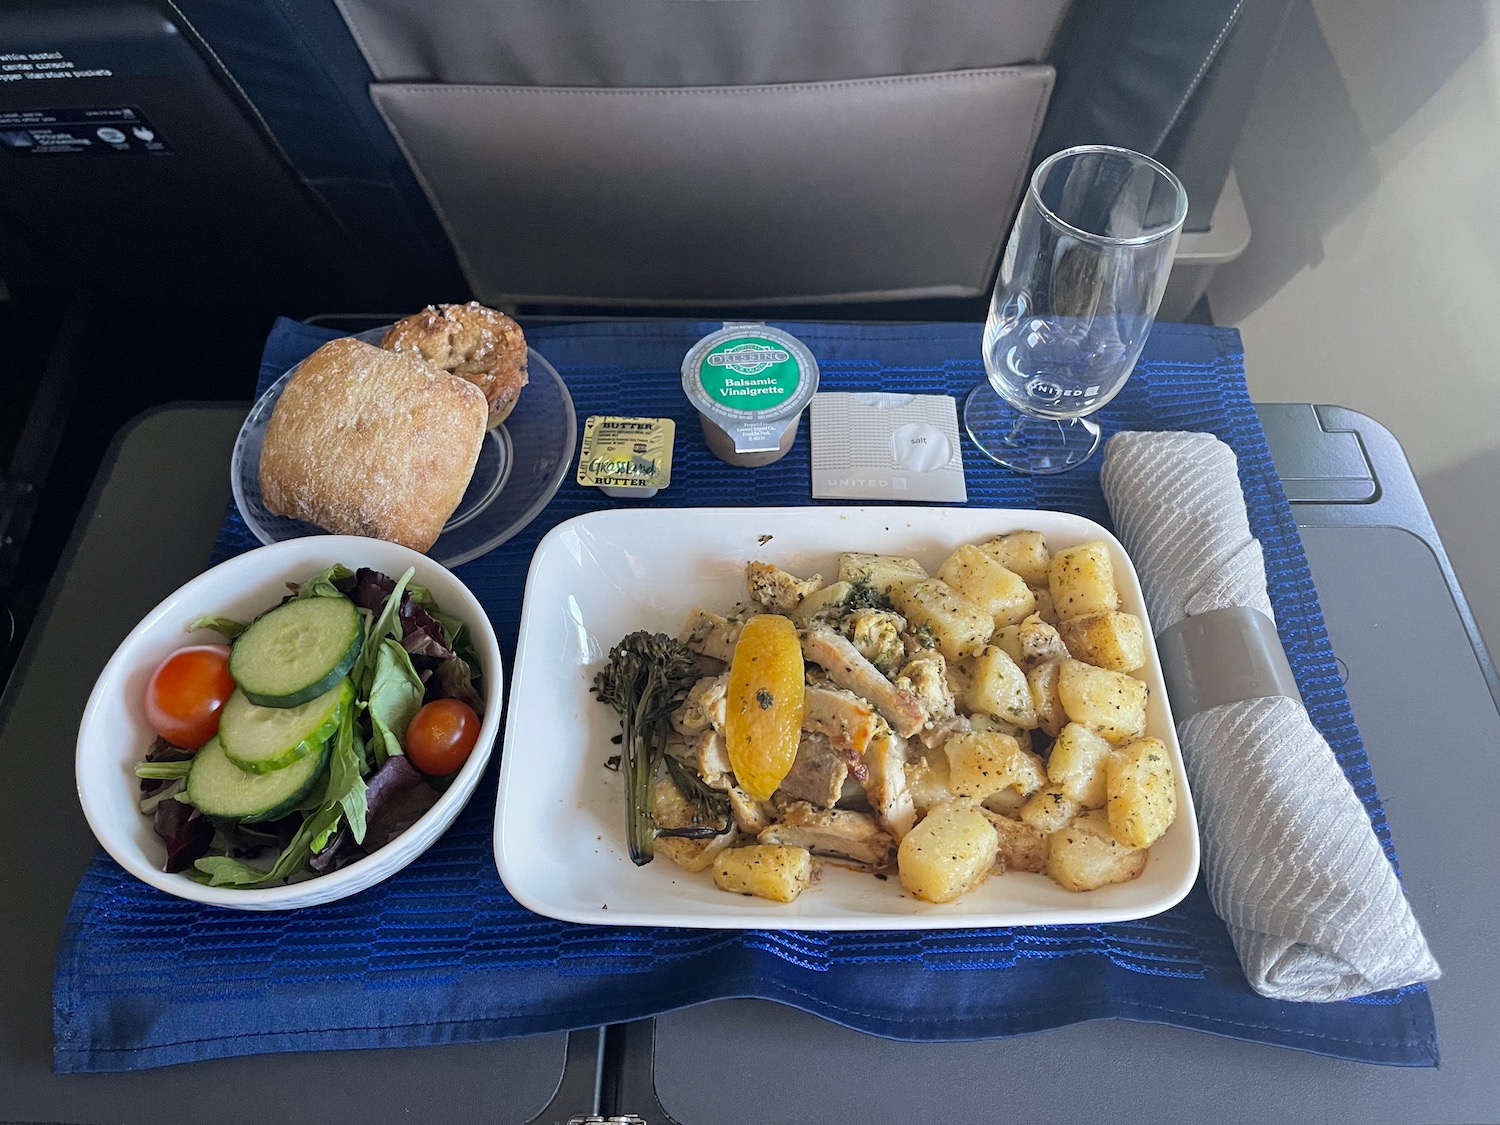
[621, 153]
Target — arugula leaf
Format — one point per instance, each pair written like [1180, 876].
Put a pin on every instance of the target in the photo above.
[226, 627]
[346, 788]
[395, 697]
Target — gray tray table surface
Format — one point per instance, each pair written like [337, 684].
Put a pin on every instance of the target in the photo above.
[1422, 692]
[147, 528]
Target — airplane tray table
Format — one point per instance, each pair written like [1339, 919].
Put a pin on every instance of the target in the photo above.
[134, 545]
[1403, 633]
[147, 527]
[388, 970]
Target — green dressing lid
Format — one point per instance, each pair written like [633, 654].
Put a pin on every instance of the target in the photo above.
[752, 381]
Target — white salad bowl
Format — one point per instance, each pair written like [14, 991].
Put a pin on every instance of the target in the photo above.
[114, 734]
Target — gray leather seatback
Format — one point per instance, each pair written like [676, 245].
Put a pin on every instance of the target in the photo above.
[691, 42]
[677, 152]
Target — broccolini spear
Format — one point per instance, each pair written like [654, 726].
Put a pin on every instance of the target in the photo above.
[645, 674]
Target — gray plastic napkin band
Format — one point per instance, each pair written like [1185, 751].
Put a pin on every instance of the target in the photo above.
[1223, 656]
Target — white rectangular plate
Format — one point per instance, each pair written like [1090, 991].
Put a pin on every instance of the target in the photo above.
[560, 816]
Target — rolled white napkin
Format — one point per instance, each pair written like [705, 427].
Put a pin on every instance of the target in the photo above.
[1292, 863]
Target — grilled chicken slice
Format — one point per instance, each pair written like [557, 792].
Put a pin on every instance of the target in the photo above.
[844, 719]
[751, 817]
[926, 677]
[889, 795]
[817, 774]
[703, 708]
[711, 760]
[777, 590]
[935, 734]
[711, 635]
[838, 833]
[1022, 848]
[847, 668]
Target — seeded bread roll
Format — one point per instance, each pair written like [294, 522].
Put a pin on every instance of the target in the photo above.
[369, 442]
[471, 341]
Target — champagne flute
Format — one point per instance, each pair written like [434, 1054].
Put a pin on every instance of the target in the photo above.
[1079, 286]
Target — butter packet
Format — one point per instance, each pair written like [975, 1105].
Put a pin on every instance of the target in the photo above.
[626, 457]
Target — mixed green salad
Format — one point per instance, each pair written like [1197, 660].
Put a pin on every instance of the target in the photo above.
[325, 728]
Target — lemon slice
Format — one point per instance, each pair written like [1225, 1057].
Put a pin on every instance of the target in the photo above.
[766, 699]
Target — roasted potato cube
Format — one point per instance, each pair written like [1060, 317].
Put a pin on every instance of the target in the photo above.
[982, 762]
[1007, 803]
[779, 872]
[1024, 552]
[1077, 764]
[1022, 848]
[998, 687]
[1085, 855]
[949, 852]
[959, 628]
[672, 810]
[1142, 791]
[1044, 607]
[1108, 703]
[1048, 809]
[883, 572]
[1045, 701]
[1001, 593]
[1111, 639]
[829, 600]
[982, 720]
[1007, 639]
[927, 780]
[1082, 580]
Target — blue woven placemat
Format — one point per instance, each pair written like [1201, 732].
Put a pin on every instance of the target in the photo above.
[441, 953]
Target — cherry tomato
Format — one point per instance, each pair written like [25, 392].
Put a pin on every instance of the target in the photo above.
[441, 736]
[185, 693]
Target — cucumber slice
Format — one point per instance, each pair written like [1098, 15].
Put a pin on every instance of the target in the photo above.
[264, 739]
[296, 652]
[219, 788]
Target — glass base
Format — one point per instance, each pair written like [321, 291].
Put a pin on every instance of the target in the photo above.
[1023, 442]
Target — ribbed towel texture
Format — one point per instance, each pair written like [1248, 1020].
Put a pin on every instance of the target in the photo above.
[1292, 864]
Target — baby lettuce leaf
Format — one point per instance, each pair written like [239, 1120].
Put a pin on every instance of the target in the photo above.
[454, 679]
[186, 832]
[226, 627]
[222, 871]
[399, 796]
[385, 626]
[324, 584]
[395, 696]
[425, 631]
